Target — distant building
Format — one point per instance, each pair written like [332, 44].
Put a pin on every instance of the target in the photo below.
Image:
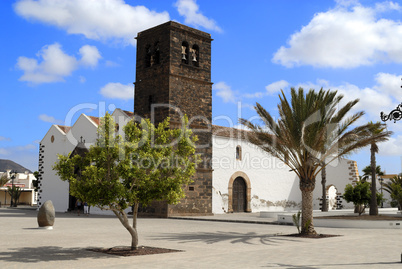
[173, 78]
[22, 180]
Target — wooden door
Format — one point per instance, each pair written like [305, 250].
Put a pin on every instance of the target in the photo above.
[239, 195]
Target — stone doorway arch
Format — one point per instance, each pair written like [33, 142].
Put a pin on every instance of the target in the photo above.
[239, 177]
[331, 197]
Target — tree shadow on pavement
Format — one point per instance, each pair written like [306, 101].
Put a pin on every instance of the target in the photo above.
[233, 237]
[317, 266]
[47, 253]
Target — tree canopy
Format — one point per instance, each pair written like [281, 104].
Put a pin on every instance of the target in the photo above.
[359, 195]
[150, 163]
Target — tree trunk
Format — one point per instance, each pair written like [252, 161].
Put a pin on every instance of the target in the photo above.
[324, 207]
[373, 201]
[131, 229]
[307, 189]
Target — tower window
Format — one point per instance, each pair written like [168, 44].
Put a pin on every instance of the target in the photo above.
[148, 56]
[195, 55]
[184, 52]
[238, 153]
[157, 55]
[151, 100]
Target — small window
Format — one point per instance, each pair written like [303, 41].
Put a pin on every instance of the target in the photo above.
[195, 55]
[184, 52]
[238, 153]
[52, 139]
[157, 55]
[148, 56]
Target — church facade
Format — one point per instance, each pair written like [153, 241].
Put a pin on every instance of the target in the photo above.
[173, 78]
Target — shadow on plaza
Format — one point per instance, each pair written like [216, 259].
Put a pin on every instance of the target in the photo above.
[47, 253]
[317, 266]
[232, 237]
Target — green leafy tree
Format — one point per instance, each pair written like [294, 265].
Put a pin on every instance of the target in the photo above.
[153, 163]
[359, 195]
[312, 131]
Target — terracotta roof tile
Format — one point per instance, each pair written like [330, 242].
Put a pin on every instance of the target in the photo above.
[229, 132]
[129, 113]
[94, 119]
[65, 129]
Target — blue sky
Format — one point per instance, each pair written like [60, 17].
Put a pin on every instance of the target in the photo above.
[63, 58]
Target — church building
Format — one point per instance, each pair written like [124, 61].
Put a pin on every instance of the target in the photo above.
[173, 78]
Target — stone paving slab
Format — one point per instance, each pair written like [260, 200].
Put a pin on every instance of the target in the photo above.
[205, 244]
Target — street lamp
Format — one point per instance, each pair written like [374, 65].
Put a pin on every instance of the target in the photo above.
[395, 114]
[13, 175]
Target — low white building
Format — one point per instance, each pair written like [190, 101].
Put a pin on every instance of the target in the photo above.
[245, 179]
[23, 179]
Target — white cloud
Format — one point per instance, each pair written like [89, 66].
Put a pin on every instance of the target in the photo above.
[254, 95]
[54, 67]
[276, 86]
[4, 152]
[89, 55]
[387, 6]
[392, 147]
[99, 20]
[347, 36]
[190, 10]
[111, 64]
[46, 118]
[388, 83]
[2, 138]
[225, 92]
[55, 64]
[118, 91]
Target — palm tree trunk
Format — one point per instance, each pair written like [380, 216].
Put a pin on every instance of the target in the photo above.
[373, 201]
[307, 189]
[324, 207]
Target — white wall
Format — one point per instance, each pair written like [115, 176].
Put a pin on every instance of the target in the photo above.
[50, 186]
[273, 186]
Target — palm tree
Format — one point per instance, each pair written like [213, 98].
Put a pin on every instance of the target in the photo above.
[3, 179]
[324, 206]
[375, 129]
[309, 134]
[392, 185]
[367, 171]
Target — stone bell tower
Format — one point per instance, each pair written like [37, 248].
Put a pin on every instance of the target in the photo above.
[173, 78]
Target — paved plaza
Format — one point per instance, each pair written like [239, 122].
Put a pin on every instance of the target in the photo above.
[204, 244]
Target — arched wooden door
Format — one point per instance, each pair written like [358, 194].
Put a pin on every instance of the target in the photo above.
[239, 195]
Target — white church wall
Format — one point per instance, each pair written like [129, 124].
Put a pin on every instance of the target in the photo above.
[273, 187]
[51, 187]
[339, 174]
